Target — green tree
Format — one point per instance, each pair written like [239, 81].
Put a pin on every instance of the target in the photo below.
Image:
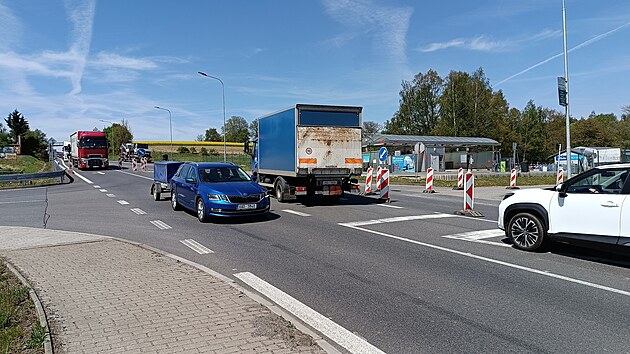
[118, 134]
[4, 136]
[532, 132]
[212, 135]
[17, 124]
[34, 144]
[253, 130]
[370, 128]
[236, 130]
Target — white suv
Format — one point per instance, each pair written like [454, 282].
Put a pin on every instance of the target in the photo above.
[592, 208]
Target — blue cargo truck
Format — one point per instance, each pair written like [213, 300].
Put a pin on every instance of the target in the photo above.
[308, 150]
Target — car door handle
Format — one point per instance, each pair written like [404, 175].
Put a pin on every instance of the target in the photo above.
[610, 205]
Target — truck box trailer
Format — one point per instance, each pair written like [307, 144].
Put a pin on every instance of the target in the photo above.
[309, 150]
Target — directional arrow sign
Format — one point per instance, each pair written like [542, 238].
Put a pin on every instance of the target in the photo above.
[382, 154]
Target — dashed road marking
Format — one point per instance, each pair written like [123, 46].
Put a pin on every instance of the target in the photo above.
[295, 212]
[111, 195]
[103, 190]
[97, 187]
[390, 206]
[330, 329]
[160, 224]
[100, 173]
[24, 201]
[123, 202]
[196, 246]
[480, 236]
[138, 211]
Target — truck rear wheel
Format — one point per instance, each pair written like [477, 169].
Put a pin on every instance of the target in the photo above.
[279, 193]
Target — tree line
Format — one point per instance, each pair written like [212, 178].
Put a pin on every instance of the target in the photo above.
[465, 105]
[33, 141]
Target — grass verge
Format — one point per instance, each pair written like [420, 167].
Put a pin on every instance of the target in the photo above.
[20, 331]
[479, 181]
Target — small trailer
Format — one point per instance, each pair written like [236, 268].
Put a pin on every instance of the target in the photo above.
[163, 171]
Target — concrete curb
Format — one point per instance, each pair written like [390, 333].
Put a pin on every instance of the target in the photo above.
[41, 314]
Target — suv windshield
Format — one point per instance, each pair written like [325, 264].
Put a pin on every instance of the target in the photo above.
[223, 174]
[93, 143]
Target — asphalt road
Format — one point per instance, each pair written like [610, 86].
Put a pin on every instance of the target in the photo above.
[408, 277]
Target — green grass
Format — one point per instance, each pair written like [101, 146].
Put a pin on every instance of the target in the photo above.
[479, 181]
[25, 164]
[20, 331]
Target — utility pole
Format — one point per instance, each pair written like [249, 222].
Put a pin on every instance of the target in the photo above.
[566, 82]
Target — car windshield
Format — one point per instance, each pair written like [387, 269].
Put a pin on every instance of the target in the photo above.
[223, 174]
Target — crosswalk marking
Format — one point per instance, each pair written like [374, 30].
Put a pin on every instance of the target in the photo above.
[196, 246]
[480, 236]
[138, 211]
[123, 202]
[111, 195]
[160, 225]
[296, 212]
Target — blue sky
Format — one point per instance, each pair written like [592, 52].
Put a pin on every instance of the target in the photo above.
[67, 64]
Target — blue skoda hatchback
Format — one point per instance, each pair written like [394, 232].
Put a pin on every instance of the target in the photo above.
[217, 189]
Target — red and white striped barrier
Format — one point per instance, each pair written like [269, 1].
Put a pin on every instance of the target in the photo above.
[143, 164]
[385, 184]
[512, 180]
[379, 174]
[368, 181]
[460, 178]
[134, 165]
[469, 191]
[428, 188]
[560, 177]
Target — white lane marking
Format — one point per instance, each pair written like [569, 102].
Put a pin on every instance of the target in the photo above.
[123, 202]
[196, 246]
[138, 211]
[100, 173]
[390, 206]
[24, 201]
[495, 261]
[295, 212]
[83, 178]
[330, 329]
[102, 190]
[97, 187]
[480, 236]
[160, 225]
[398, 218]
[133, 174]
[111, 195]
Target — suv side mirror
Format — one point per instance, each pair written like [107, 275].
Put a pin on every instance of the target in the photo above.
[191, 180]
[246, 147]
[562, 191]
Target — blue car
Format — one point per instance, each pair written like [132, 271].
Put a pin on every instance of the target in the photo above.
[217, 189]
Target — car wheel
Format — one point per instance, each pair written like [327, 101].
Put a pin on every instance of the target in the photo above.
[526, 232]
[174, 203]
[279, 194]
[156, 194]
[201, 210]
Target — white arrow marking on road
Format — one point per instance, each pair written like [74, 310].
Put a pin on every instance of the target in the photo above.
[160, 225]
[123, 202]
[111, 195]
[196, 246]
[480, 236]
[102, 190]
[296, 212]
[332, 330]
[138, 211]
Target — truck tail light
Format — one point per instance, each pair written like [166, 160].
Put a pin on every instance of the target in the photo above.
[300, 189]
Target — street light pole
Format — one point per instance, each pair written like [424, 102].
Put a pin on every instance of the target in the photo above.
[224, 131]
[113, 137]
[566, 80]
[169, 124]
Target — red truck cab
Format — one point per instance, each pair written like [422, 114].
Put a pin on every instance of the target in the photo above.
[89, 149]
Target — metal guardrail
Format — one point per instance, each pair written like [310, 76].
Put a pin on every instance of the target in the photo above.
[23, 177]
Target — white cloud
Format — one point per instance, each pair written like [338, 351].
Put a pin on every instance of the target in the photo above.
[10, 27]
[387, 25]
[113, 60]
[81, 15]
[478, 43]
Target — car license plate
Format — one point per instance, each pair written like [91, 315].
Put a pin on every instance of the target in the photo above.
[246, 206]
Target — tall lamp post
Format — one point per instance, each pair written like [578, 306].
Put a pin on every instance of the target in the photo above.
[224, 132]
[113, 137]
[169, 124]
[566, 81]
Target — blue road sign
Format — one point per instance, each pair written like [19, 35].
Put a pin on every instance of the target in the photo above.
[382, 154]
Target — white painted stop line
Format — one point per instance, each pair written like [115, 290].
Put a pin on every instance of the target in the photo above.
[196, 246]
[330, 329]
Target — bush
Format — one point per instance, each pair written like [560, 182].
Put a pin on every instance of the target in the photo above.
[183, 150]
[204, 151]
[193, 150]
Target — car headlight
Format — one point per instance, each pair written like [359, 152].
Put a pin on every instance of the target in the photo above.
[217, 197]
[507, 195]
[105, 160]
[84, 160]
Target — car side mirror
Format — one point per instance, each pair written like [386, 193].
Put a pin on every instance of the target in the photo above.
[191, 180]
[562, 191]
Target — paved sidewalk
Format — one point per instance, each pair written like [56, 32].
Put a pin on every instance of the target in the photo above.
[107, 296]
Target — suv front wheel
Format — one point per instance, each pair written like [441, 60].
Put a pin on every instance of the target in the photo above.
[526, 232]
